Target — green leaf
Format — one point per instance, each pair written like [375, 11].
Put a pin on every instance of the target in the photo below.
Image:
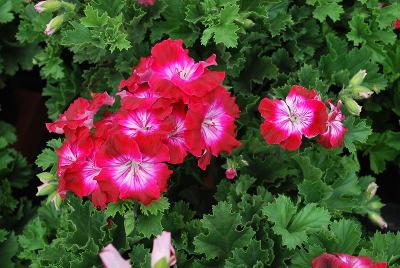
[326, 8]
[348, 236]
[32, 239]
[222, 234]
[358, 131]
[155, 207]
[292, 225]
[383, 247]
[5, 11]
[149, 225]
[46, 159]
[8, 249]
[224, 32]
[253, 256]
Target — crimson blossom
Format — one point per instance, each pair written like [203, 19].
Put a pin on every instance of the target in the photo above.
[345, 261]
[170, 106]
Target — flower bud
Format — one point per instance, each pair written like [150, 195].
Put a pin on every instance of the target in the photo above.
[230, 173]
[352, 106]
[45, 177]
[46, 189]
[361, 92]
[371, 190]
[358, 78]
[248, 23]
[377, 219]
[55, 199]
[54, 25]
[47, 6]
[375, 205]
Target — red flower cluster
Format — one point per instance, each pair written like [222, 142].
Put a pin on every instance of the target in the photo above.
[345, 261]
[172, 106]
[301, 113]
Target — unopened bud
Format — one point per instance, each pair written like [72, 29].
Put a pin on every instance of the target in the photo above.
[376, 205]
[54, 24]
[46, 189]
[47, 6]
[377, 219]
[352, 106]
[358, 78]
[361, 92]
[45, 177]
[248, 23]
[371, 190]
[230, 173]
[56, 200]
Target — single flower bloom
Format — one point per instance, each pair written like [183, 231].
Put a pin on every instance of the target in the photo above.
[302, 113]
[80, 113]
[147, 2]
[47, 6]
[175, 74]
[163, 249]
[210, 125]
[134, 167]
[334, 135]
[345, 261]
[142, 115]
[230, 173]
[111, 258]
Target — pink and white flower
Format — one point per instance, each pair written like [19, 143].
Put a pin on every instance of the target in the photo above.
[302, 113]
[134, 166]
[210, 125]
[163, 249]
[175, 74]
[334, 135]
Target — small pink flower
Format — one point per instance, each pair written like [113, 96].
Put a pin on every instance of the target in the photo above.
[112, 259]
[230, 173]
[162, 248]
[147, 2]
[345, 261]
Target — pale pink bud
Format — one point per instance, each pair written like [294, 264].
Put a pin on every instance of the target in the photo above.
[163, 249]
[47, 6]
[378, 220]
[54, 25]
[112, 259]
